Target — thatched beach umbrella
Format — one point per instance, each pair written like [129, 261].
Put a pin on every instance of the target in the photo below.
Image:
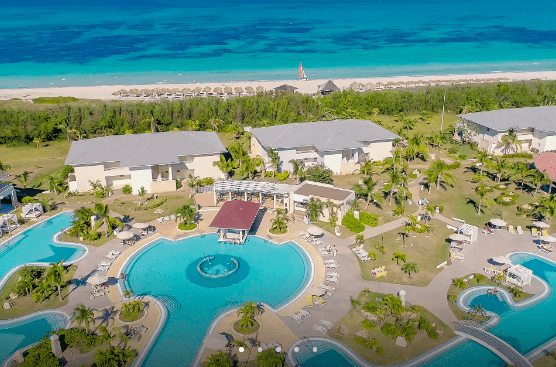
[354, 85]
[197, 90]
[259, 89]
[369, 86]
[186, 90]
[249, 90]
[116, 93]
[228, 89]
[238, 90]
[175, 90]
[218, 90]
[207, 89]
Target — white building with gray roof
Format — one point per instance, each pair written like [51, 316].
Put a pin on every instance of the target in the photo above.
[339, 144]
[535, 127]
[153, 161]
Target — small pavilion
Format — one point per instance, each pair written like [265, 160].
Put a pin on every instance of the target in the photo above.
[234, 220]
[5, 225]
[519, 275]
[32, 210]
[269, 194]
[7, 191]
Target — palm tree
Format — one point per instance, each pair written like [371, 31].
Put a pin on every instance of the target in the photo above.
[410, 268]
[366, 191]
[500, 165]
[105, 336]
[23, 178]
[53, 183]
[259, 162]
[396, 187]
[4, 167]
[274, 158]
[547, 207]
[499, 278]
[479, 278]
[516, 292]
[509, 141]
[248, 167]
[379, 312]
[103, 212]
[539, 179]
[83, 315]
[354, 302]
[192, 182]
[369, 168]
[224, 165]
[249, 309]
[399, 256]
[238, 152]
[298, 169]
[481, 190]
[315, 209]
[484, 158]
[187, 213]
[269, 358]
[418, 147]
[279, 223]
[477, 310]
[520, 173]
[459, 283]
[103, 358]
[55, 276]
[219, 360]
[452, 298]
[438, 174]
[372, 343]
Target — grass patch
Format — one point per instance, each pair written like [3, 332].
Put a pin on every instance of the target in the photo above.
[247, 330]
[187, 227]
[426, 252]
[64, 237]
[25, 305]
[273, 231]
[330, 229]
[392, 354]
[546, 361]
[127, 205]
[461, 314]
[54, 100]
[131, 318]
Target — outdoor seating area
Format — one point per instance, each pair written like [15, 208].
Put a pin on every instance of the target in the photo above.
[361, 253]
[166, 218]
[8, 223]
[300, 315]
[267, 194]
[379, 271]
[545, 248]
[32, 210]
[223, 92]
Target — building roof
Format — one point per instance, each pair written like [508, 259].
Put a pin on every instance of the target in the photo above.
[323, 191]
[236, 214]
[4, 176]
[323, 135]
[286, 88]
[136, 150]
[263, 187]
[546, 162]
[541, 118]
[329, 86]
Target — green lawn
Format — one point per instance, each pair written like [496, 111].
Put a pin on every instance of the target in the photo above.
[455, 201]
[26, 305]
[426, 252]
[128, 205]
[546, 361]
[64, 237]
[461, 314]
[392, 354]
[331, 229]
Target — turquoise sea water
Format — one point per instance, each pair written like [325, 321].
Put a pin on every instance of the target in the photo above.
[167, 270]
[36, 245]
[123, 42]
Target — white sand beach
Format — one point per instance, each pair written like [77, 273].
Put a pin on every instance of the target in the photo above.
[304, 86]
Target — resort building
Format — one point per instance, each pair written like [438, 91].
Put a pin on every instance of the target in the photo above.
[535, 128]
[234, 220]
[340, 145]
[150, 161]
[327, 88]
[302, 194]
[8, 196]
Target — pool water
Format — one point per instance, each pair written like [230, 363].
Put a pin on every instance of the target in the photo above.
[268, 273]
[36, 245]
[467, 354]
[327, 355]
[22, 332]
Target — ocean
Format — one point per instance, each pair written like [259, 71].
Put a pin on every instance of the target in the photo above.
[105, 42]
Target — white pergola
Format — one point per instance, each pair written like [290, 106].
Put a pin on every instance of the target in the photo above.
[470, 231]
[5, 225]
[32, 210]
[278, 191]
[519, 275]
[7, 191]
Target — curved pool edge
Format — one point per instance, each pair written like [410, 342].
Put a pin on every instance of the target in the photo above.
[141, 357]
[54, 239]
[8, 361]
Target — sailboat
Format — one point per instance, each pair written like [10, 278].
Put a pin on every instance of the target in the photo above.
[302, 74]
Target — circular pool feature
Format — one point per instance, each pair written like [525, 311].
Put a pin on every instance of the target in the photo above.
[217, 266]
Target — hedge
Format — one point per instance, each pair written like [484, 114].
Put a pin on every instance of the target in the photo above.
[518, 155]
[282, 175]
[370, 220]
[352, 223]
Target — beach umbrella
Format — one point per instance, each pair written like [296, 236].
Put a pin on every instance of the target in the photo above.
[96, 280]
[238, 90]
[207, 89]
[458, 237]
[369, 86]
[542, 225]
[140, 225]
[501, 260]
[260, 89]
[249, 90]
[216, 341]
[547, 239]
[228, 89]
[125, 235]
[197, 90]
[218, 90]
[314, 231]
[315, 291]
[186, 90]
[175, 90]
[115, 93]
[354, 85]
[498, 222]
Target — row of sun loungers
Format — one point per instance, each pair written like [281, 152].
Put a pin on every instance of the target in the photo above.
[456, 255]
[272, 345]
[166, 219]
[97, 294]
[512, 230]
[311, 300]
[300, 315]
[545, 248]
[361, 253]
[112, 255]
[536, 233]
[103, 266]
[329, 264]
[324, 326]
[491, 270]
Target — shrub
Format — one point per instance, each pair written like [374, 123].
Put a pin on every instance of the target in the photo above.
[368, 325]
[268, 174]
[370, 220]
[282, 175]
[319, 174]
[127, 189]
[432, 333]
[186, 227]
[518, 155]
[506, 199]
[207, 181]
[454, 165]
[28, 199]
[179, 185]
[352, 223]
[360, 340]
[462, 157]
[453, 150]
[41, 355]
[78, 338]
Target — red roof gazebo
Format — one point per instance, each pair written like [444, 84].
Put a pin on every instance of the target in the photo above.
[234, 220]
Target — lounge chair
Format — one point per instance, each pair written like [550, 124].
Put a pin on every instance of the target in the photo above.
[488, 230]
[102, 268]
[104, 263]
[319, 300]
[457, 249]
[319, 328]
[296, 318]
[331, 265]
[330, 261]
[545, 248]
[511, 229]
[159, 219]
[303, 234]
[360, 247]
[303, 313]
[324, 252]
[333, 274]
[379, 274]
[111, 256]
[141, 329]
[544, 233]
[332, 279]
[328, 288]
[534, 232]
[456, 255]
[309, 300]
[326, 324]
[364, 259]
[519, 230]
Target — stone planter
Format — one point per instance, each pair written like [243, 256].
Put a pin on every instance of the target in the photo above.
[145, 313]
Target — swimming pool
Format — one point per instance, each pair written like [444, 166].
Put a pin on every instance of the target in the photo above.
[23, 331]
[37, 245]
[319, 352]
[268, 273]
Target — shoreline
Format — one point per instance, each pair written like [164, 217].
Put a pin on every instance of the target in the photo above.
[104, 92]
